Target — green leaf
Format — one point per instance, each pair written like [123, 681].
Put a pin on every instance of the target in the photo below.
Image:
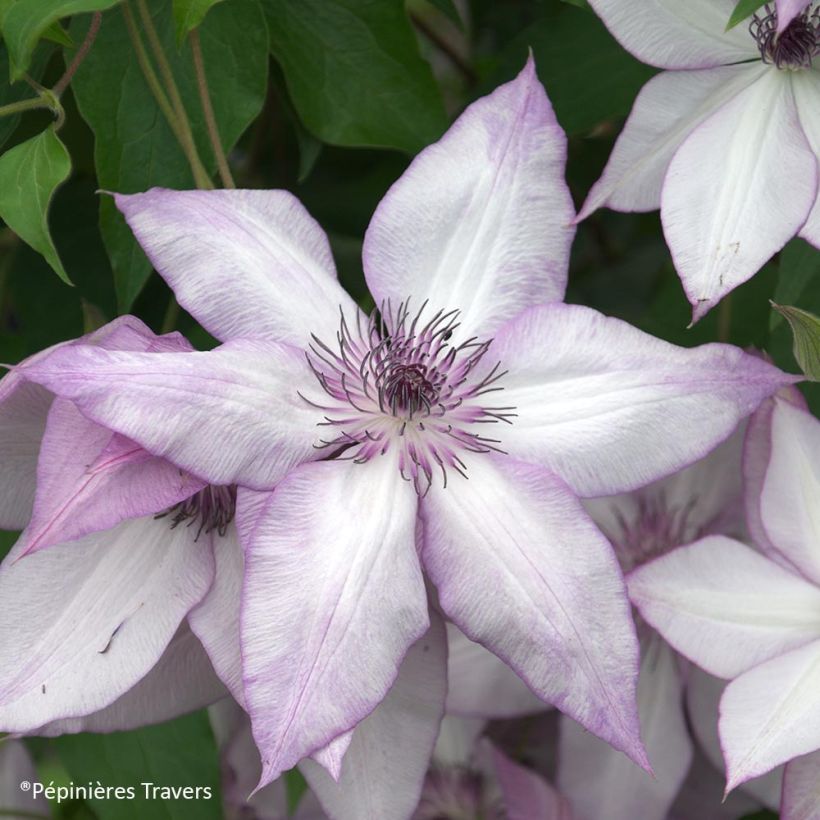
[799, 282]
[188, 14]
[449, 10]
[176, 754]
[135, 147]
[589, 77]
[744, 9]
[26, 21]
[14, 92]
[29, 175]
[354, 72]
[806, 330]
[57, 34]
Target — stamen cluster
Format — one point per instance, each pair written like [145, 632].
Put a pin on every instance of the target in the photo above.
[213, 508]
[796, 47]
[395, 380]
[457, 793]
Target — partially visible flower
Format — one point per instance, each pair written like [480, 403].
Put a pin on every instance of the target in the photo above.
[469, 412]
[16, 767]
[725, 141]
[123, 553]
[754, 617]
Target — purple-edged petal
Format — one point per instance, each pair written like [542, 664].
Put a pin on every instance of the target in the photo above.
[481, 684]
[521, 569]
[526, 794]
[725, 606]
[737, 190]
[771, 714]
[215, 620]
[231, 415]
[668, 108]
[480, 221]
[801, 789]
[331, 757]
[243, 263]
[182, 681]
[84, 622]
[610, 408]
[789, 508]
[333, 598]
[16, 767]
[703, 694]
[674, 34]
[599, 782]
[89, 480]
[384, 768]
[787, 10]
[806, 86]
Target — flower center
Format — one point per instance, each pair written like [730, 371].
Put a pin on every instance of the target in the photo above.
[456, 793]
[212, 508]
[795, 47]
[396, 381]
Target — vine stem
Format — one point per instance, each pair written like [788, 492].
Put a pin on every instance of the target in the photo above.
[81, 54]
[724, 323]
[186, 135]
[23, 105]
[208, 110]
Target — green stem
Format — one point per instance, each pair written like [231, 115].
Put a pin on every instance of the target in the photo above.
[208, 110]
[90, 36]
[201, 176]
[169, 321]
[23, 105]
[724, 324]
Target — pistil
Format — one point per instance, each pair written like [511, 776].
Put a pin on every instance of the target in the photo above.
[794, 48]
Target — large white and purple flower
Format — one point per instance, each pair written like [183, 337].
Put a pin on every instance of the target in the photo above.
[725, 141]
[449, 435]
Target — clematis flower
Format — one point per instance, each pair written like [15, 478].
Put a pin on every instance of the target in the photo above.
[449, 434]
[725, 141]
[752, 616]
[127, 568]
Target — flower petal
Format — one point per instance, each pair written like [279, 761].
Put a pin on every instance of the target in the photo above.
[787, 10]
[668, 108]
[215, 620]
[480, 221]
[333, 598]
[90, 479]
[771, 714]
[182, 681]
[671, 34]
[243, 263]
[599, 782]
[801, 789]
[788, 502]
[385, 766]
[806, 86]
[84, 622]
[610, 408]
[231, 415]
[725, 606]
[481, 684]
[16, 767]
[739, 188]
[521, 569]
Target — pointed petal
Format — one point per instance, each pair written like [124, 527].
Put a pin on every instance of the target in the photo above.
[725, 606]
[232, 415]
[668, 108]
[703, 694]
[90, 479]
[771, 714]
[752, 177]
[671, 34]
[599, 782]
[788, 502]
[84, 622]
[526, 794]
[215, 620]
[610, 408]
[333, 598]
[331, 757]
[514, 535]
[787, 10]
[481, 684]
[480, 221]
[801, 789]
[243, 263]
[385, 766]
[16, 766]
[182, 681]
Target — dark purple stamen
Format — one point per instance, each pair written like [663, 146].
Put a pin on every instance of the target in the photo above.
[213, 508]
[795, 47]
